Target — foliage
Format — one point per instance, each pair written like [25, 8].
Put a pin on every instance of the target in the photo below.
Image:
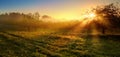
[110, 15]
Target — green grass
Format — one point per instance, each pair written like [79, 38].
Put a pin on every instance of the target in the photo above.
[14, 44]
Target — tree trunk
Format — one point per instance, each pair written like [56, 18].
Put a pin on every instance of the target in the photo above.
[103, 30]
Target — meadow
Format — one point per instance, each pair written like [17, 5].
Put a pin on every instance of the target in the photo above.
[56, 40]
[96, 34]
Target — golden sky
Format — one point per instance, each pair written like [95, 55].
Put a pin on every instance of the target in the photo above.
[66, 9]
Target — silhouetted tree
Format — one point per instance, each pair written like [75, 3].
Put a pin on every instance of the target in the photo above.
[30, 14]
[108, 16]
[36, 15]
[46, 17]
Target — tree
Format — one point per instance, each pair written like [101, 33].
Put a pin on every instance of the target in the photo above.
[46, 17]
[36, 15]
[108, 16]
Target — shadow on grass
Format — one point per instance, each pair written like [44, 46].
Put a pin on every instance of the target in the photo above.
[103, 45]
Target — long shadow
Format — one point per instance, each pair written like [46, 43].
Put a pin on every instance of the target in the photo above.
[103, 45]
[110, 37]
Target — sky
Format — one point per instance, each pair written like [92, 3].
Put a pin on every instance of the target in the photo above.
[54, 8]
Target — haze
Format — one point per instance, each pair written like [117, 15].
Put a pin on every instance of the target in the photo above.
[68, 9]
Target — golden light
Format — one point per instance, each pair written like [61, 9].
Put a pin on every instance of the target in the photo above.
[90, 15]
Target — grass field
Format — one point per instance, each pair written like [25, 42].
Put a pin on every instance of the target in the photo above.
[51, 44]
[64, 28]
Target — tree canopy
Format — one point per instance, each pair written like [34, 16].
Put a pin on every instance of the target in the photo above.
[108, 15]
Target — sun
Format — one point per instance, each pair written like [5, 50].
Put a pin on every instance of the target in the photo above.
[92, 15]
